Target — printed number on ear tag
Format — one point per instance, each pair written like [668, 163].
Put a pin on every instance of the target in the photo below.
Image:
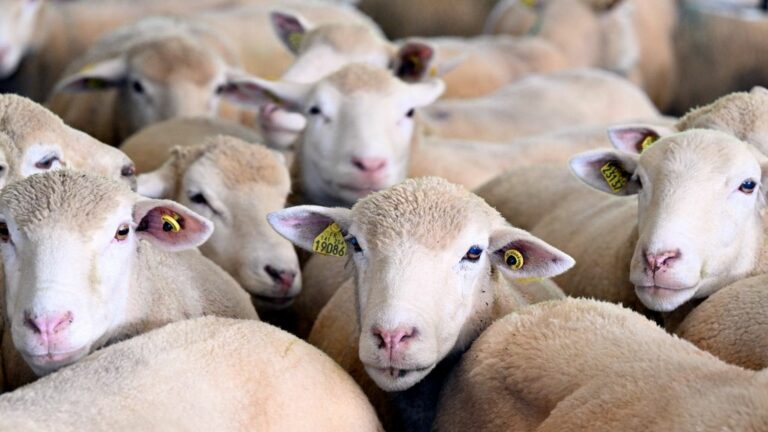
[647, 143]
[615, 176]
[330, 242]
[514, 259]
[171, 223]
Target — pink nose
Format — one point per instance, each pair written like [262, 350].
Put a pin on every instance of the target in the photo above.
[267, 110]
[394, 341]
[661, 260]
[4, 52]
[283, 278]
[49, 325]
[369, 164]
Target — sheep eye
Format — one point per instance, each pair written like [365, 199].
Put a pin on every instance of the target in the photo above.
[137, 87]
[128, 171]
[355, 244]
[5, 235]
[47, 162]
[410, 113]
[122, 232]
[473, 254]
[748, 186]
[198, 198]
[315, 110]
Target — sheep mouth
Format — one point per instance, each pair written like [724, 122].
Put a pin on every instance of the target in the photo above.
[275, 302]
[396, 373]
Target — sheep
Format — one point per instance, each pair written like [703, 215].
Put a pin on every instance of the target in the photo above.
[646, 252]
[208, 373]
[539, 104]
[33, 140]
[411, 322]
[731, 324]
[235, 184]
[402, 18]
[632, 37]
[87, 263]
[586, 365]
[153, 70]
[362, 131]
[151, 147]
[39, 38]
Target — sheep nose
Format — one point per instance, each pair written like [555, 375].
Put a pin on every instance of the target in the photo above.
[394, 340]
[369, 164]
[283, 278]
[661, 260]
[48, 325]
[4, 52]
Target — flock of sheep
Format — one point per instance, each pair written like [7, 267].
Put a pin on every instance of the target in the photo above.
[480, 232]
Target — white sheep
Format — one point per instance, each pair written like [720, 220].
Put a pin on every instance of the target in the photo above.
[586, 365]
[732, 324]
[412, 322]
[153, 70]
[649, 247]
[235, 184]
[209, 373]
[87, 263]
[33, 140]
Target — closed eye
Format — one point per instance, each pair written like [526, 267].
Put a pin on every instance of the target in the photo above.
[352, 240]
[199, 199]
[47, 162]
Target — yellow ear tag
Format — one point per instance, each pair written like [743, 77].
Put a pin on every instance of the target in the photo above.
[529, 3]
[94, 83]
[330, 242]
[171, 223]
[433, 71]
[647, 143]
[416, 60]
[615, 176]
[525, 281]
[294, 39]
[514, 259]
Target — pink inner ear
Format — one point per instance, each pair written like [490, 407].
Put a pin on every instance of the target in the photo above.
[287, 23]
[533, 255]
[414, 59]
[631, 139]
[152, 224]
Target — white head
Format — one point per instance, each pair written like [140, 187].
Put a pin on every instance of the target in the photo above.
[324, 49]
[157, 77]
[360, 128]
[235, 184]
[699, 201]
[18, 23]
[34, 140]
[69, 243]
[429, 257]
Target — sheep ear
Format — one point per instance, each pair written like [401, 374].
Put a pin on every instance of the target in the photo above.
[636, 138]
[518, 254]
[414, 62]
[169, 225]
[99, 76]
[159, 183]
[422, 94]
[607, 170]
[302, 225]
[290, 29]
[252, 91]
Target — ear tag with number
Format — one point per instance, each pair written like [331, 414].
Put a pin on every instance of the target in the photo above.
[615, 176]
[330, 242]
[171, 223]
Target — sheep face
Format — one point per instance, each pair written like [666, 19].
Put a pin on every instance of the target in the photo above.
[235, 185]
[18, 20]
[360, 126]
[69, 243]
[699, 202]
[156, 81]
[428, 257]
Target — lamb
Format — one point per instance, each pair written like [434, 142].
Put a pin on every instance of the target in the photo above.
[235, 184]
[362, 129]
[587, 365]
[651, 255]
[634, 38]
[411, 323]
[731, 324]
[153, 70]
[203, 374]
[402, 18]
[151, 147]
[87, 263]
[33, 140]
